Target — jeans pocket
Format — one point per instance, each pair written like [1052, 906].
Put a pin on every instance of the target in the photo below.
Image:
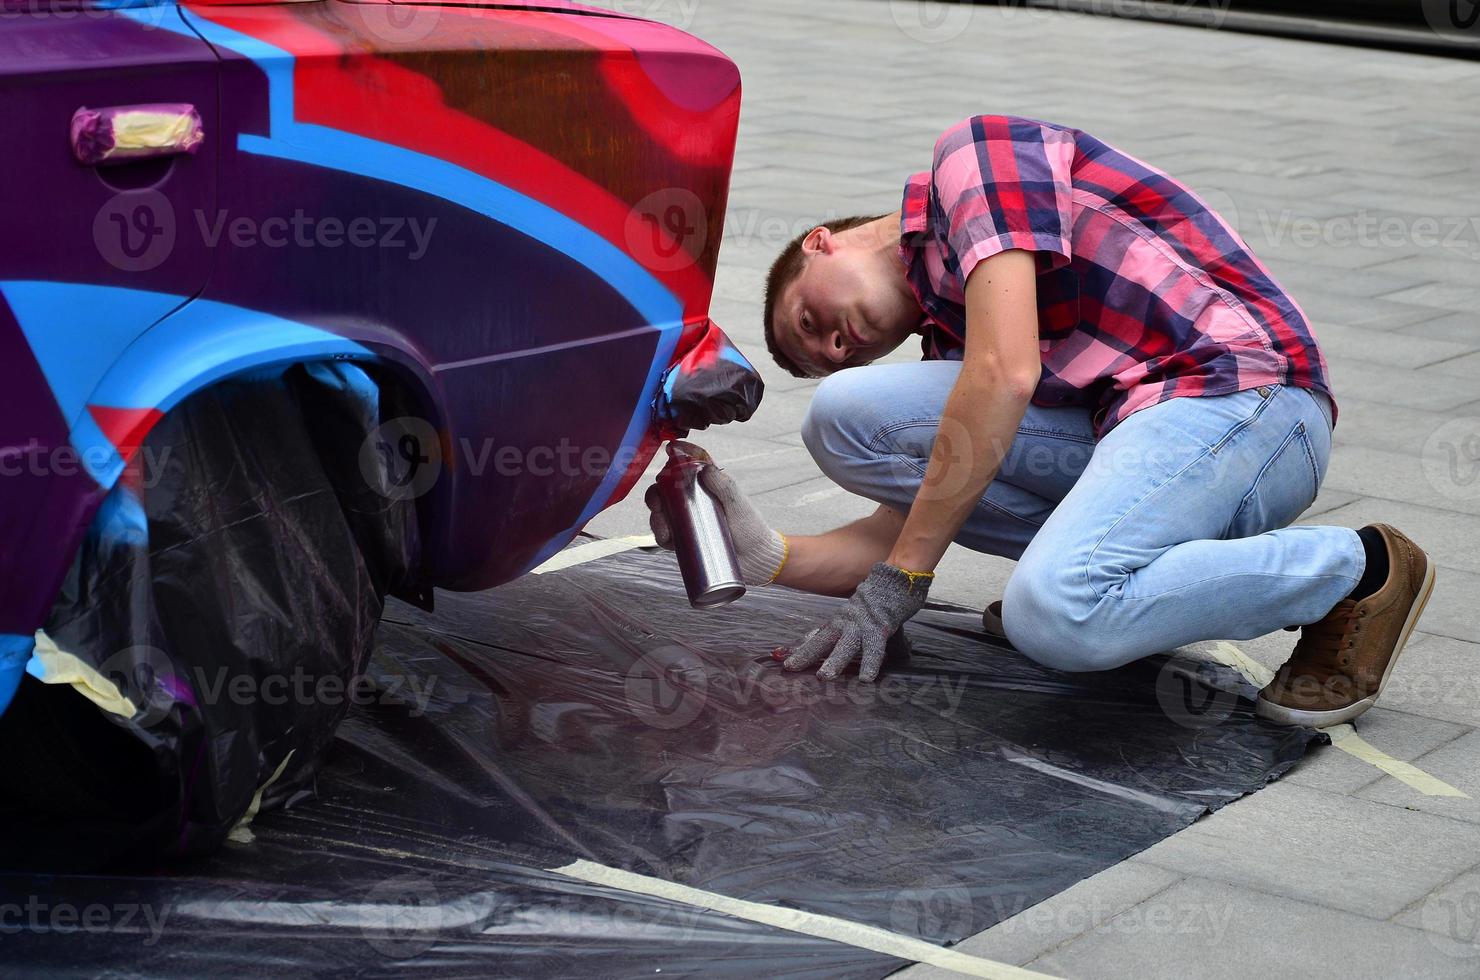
[1285, 487]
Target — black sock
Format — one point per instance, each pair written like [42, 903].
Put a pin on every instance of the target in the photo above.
[1376, 573]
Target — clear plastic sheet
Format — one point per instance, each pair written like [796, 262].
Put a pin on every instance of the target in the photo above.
[591, 713]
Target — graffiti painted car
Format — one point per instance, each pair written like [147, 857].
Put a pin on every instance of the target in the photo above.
[511, 210]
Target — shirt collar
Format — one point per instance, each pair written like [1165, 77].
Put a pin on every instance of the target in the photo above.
[914, 209]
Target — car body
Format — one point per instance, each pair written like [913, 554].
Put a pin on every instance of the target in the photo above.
[512, 209]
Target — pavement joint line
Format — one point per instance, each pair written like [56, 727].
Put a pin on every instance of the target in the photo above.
[795, 920]
[1343, 736]
[581, 554]
[817, 495]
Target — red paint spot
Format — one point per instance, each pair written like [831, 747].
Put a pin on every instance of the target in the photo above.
[125, 427]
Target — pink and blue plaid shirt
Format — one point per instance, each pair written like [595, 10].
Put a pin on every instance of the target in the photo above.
[1144, 292]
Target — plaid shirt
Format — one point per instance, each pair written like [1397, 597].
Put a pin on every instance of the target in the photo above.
[1144, 292]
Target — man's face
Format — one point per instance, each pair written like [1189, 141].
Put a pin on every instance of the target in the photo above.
[843, 310]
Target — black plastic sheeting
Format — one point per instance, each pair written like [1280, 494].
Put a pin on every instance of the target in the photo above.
[591, 713]
[237, 570]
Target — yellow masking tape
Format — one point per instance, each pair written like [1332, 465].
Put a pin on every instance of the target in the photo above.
[242, 831]
[57, 666]
[1345, 737]
[583, 553]
[807, 923]
[1254, 672]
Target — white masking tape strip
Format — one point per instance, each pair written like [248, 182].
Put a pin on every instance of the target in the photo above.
[1345, 737]
[1254, 672]
[806, 923]
[583, 553]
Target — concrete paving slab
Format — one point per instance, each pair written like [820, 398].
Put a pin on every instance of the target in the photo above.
[1403, 736]
[1448, 537]
[1451, 916]
[1438, 677]
[1072, 912]
[1453, 762]
[1325, 848]
[1211, 930]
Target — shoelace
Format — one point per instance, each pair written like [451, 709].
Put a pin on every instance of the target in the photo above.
[1329, 642]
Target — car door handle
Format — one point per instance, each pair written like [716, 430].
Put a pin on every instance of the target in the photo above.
[125, 133]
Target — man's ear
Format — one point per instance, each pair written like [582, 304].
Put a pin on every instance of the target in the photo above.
[818, 240]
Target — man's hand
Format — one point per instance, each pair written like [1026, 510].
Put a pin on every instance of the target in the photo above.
[760, 550]
[862, 628]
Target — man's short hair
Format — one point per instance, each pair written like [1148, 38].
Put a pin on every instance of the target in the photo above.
[784, 271]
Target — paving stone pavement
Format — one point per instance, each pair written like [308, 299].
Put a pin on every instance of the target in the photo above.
[1352, 175]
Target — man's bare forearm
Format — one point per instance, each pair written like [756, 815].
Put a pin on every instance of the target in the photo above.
[836, 562]
[977, 428]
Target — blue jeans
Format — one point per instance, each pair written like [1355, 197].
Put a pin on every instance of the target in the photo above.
[1172, 528]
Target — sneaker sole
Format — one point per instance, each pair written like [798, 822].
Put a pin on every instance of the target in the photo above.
[1282, 715]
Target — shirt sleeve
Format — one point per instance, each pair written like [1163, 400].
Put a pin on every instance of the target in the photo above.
[1002, 182]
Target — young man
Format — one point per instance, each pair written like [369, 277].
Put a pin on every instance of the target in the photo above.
[1115, 392]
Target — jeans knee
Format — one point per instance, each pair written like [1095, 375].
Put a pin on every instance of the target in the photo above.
[1060, 626]
[829, 427]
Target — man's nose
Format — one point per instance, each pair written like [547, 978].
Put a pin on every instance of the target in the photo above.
[834, 347]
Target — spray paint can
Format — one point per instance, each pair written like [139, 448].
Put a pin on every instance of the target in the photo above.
[701, 536]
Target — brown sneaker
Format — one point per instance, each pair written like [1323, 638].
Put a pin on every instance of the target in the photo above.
[992, 621]
[1341, 663]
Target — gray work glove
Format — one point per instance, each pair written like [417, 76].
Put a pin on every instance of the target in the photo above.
[760, 550]
[863, 627]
